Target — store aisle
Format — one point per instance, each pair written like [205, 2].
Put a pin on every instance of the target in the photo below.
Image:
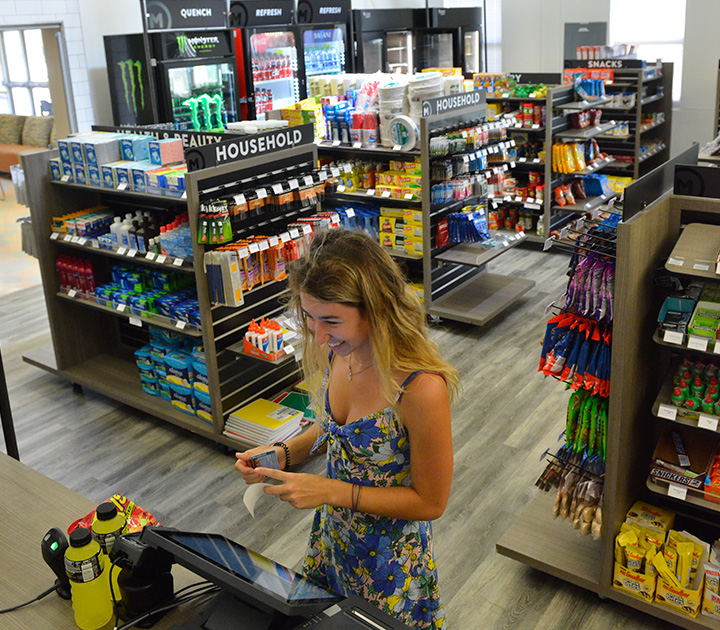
[507, 416]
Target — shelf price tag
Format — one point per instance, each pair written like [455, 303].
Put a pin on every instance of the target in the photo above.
[132, 253]
[72, 293]
[350, 213]
[386, 193]
[122, 186]
[672, 336]
[294, 233]
[239, 199]
[335, 172]
[341, 188]
[178, 262]
[707, 422]
[285, 237]
[54, 236]
[288, 349]
[677, 492]
[67, 238]
[82, 240]
[307, 229]
[357, 145]
[261, 193]
[548, 243]
[274, 241]
[184, 195]
[347, 167]
[150, 256]
[121, 251]
[294, 183]
[564, 232]
[397, 147]
[136, 321]
[180, 325]
[161, 258]
[667, 411]
[336, 143]
[322, 175]
[121, 308]
[698, 343]
[263, 245]
[308, 180]
[277, 189]
[408, 196]
[370, 192]
[253, 248]
[65, 178]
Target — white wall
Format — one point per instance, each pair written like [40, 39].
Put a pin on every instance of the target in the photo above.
[67, 12]
[100, 18]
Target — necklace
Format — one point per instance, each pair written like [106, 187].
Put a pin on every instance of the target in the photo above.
[350, 371]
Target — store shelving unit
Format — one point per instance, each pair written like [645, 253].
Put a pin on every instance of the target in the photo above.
[656, 81]
[638, 371]
[456, 283]
[92, 345]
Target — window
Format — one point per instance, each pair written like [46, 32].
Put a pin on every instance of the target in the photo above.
[658, 29]
[25, 89]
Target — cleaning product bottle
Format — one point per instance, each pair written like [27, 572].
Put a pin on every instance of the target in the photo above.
[90, 591]
[124, 230]
[114, 234]
[107, 525]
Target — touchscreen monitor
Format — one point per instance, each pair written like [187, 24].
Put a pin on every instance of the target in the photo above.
[242, 571]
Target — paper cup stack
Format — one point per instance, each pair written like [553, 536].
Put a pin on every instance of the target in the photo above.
[421, 87]
[393, 102]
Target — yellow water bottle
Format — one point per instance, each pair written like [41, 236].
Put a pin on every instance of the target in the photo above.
[89, 587]
[108, 524]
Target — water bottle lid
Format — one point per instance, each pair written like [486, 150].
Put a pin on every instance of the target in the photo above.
[80, 537]
[105, 511]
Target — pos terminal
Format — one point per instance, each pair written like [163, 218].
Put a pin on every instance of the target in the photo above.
[259, 594]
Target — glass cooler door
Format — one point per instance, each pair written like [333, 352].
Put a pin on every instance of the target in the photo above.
[471, 51]
[202, 95]
[372, 52]
[434, 49]
[324, 50]
[274, 63]
[399, 49]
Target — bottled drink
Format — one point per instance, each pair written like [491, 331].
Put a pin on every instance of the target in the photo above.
[90, 590]
[108, 525]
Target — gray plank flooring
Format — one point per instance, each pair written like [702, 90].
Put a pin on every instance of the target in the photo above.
[507, 416]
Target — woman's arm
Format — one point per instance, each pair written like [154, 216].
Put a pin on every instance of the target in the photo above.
[425, 410]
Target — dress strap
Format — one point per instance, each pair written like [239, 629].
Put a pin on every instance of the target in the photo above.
[406, 382]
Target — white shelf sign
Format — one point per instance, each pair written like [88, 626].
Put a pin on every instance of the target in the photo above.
[121, 251]
[677, 492]
[54, 236]
[132, 253]
[707, 422]
[698, 343]
[121, 307]
[672, 336]
[667, 411]
[136, 321]
[178, 262]
[180, 325]
[72, 293]
[150, 256]
[294, 232]
[288, 349]
[162, 258]
[294, 183]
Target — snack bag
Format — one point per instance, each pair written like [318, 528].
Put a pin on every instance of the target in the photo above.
[136, 517]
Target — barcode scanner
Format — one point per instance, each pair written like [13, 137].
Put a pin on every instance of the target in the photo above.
[53, 546]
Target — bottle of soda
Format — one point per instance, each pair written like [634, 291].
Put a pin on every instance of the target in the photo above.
[90, 590]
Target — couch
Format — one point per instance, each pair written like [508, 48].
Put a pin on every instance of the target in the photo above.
[20, 133]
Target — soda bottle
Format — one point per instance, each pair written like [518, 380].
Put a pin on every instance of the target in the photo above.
[90, 591]
[108, 524]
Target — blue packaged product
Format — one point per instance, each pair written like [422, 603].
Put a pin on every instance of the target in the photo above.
[179, 369]
[77, 154]
[203, 408]
[143, 359]
[135, 148]
[105, 242]
[94, 177]
[79, 175]
[182, 398]
[164, 390]
[55, 169]
[64, 149]
[67, 171]
[200, 380]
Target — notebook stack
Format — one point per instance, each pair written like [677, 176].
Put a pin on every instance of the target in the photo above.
[263, 422]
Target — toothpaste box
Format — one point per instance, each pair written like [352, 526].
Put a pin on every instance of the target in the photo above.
[135, 148]
[102, 149]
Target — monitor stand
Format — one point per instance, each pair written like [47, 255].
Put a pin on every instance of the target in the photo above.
[227, 612]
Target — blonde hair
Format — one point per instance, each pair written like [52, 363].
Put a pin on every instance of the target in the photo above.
[352, 269]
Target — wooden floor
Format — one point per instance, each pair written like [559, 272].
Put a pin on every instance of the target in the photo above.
[507, 417]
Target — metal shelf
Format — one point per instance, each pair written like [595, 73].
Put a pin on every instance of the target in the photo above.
[651, 99]
[479, 254]
[124, 193]
[89, 244]
[587, 204]
[646, 128]
[323, 145]
[583, 105]
[586, 134]
[365, 196]
[695, 497]
[648, 154]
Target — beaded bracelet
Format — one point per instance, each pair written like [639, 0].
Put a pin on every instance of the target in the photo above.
[287, 453]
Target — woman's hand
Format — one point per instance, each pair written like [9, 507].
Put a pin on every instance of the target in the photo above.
[244, 464]
[301, 490]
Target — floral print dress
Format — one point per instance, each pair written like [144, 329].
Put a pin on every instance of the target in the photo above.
[387, 561]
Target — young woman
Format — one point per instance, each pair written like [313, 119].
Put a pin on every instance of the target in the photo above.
[384, 424]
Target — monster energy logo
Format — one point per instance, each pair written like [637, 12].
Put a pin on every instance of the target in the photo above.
[185, 47]
[128, 71]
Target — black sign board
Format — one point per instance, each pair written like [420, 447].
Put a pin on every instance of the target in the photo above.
[191, 139]
[194, 44]
[178, 15]
[243, 147]
[697, 181]
[456, 101]
[610, 64]
[261, 13]
[315, 11]
[547, 78]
